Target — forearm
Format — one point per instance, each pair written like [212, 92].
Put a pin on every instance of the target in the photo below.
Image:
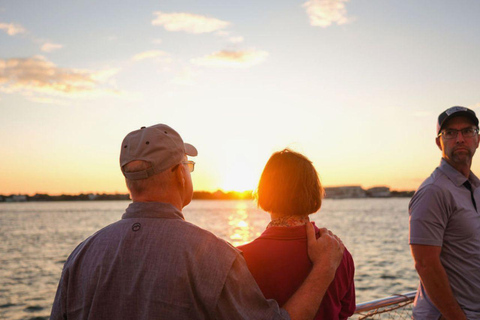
[435, 282]
[306, 300]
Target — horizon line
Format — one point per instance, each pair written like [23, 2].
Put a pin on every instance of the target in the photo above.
[198, 191]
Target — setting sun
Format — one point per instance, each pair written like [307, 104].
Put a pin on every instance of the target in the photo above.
[240, 177]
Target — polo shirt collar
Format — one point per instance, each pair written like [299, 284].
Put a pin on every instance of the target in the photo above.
[152, 210]
[456, 177]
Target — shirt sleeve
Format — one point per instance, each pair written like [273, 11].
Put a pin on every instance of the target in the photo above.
[348, 301]
[241, 298]
[428, 216]
[59, 304]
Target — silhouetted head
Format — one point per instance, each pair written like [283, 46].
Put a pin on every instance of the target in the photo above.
[155, 165]
[289, 185]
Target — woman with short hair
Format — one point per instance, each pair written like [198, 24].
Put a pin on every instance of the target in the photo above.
[289, 190]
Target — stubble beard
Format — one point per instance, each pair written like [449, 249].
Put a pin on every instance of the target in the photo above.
[462, 157]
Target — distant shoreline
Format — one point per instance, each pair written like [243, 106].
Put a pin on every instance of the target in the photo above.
[345, 192]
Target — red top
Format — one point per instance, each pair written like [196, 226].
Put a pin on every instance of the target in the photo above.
[279, 262]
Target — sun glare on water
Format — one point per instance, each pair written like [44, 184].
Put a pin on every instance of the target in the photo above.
[238, 223]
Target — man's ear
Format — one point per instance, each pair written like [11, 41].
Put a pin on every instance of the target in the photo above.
[439, 144]
[180, 175]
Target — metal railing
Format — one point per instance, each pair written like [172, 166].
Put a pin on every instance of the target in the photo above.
[396, 307]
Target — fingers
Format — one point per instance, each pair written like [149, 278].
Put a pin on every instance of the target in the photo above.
[323, 231]
[338, 241]
[334, 236]
[326, 232]
[310, 233]
[327, 249]
[311, 237]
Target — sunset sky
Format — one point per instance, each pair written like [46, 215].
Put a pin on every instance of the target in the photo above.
[355, 85]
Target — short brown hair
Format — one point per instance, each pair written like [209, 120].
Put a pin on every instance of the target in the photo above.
[289, 185]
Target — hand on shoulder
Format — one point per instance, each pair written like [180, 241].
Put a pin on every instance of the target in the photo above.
[326, 251]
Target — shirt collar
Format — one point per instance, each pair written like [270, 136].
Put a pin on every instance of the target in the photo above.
[152, 210]
[456, 177]
[286, 233]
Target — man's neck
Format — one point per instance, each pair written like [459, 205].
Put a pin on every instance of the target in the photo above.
[174, 199]
[463, 168]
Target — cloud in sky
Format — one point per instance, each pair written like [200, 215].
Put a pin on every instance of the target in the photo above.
[222, 33]
[49, 47]
[37, 74]
[148, 55]
[188, 22]
[232, 59]
[323, 13]
[235, 39]
[12, 28]
[46, 100]
[185, 78]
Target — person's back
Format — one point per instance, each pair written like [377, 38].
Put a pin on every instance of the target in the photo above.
[289, 190]
[279, 263]
[151, 264]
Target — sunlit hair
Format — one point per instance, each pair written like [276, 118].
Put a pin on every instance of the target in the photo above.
[289, 185]
[141, 186]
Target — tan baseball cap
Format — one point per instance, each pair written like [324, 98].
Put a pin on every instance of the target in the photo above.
[159, 145]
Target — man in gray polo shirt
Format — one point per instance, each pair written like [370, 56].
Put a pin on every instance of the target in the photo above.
[445, 225]
[152, 264]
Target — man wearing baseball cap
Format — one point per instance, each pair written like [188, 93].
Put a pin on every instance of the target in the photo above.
[152, 264]
[445, 225]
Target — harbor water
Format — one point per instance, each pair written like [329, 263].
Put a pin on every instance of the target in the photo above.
[37, 237]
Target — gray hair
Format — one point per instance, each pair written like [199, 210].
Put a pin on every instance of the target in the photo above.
[143, 185]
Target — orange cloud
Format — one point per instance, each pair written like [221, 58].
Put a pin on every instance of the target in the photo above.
[323, 13]
[235, 59]
[37, 74]
[188, 22]
[12, 29]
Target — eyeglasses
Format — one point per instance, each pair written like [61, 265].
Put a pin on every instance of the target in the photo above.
[453, 133]
[189, 163]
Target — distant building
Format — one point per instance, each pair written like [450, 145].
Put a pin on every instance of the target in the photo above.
[379, 192]
[18, 198]
[345, 192]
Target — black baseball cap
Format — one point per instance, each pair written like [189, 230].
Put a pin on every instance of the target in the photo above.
[455, 112]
